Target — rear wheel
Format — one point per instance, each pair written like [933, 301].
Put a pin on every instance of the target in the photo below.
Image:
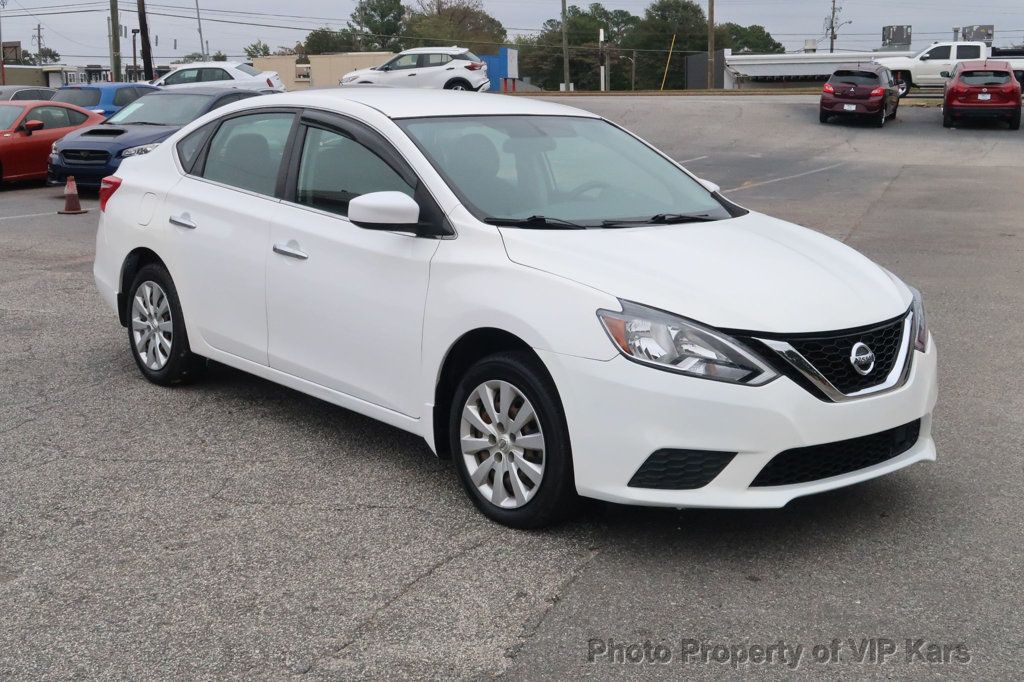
[1015, 121]
[822, 116]
[879, 120]
[156, 329]
[457, 84]
[510, 442]
[947, 120]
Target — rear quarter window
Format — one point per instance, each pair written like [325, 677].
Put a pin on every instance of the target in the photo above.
[191, 145]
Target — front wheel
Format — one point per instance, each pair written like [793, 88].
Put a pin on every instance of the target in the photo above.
[156, 329]
[510, 442]
[903, 83]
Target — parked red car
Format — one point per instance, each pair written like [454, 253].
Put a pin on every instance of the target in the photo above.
[27, 131]
[867, 91]
[981, 89]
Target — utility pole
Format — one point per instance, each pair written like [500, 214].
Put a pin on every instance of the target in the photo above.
[832, 29]
[115, 44]
[565, 50]
[39, 43]
[199, 21]
[711, 44]
[147, 55]
[135, 60]
[3, 68]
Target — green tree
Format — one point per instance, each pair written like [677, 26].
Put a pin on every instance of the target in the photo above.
[192, 57]
[218, 56]
[327, 41]
[379, 24]
[257, 49]
[752, 38]
[461, 22]
[44, 56]
[652, 38]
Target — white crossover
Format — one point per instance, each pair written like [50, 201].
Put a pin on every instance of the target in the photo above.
[545, 298]
[448, 68]
[231, 74]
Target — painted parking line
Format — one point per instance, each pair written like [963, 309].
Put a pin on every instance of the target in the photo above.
[698, 158]
[27, 215]
[751, 185]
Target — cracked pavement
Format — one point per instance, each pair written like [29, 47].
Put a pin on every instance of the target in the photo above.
[235, 528]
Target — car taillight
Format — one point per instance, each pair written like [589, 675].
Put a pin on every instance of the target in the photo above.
[961, 90]
[108, 186]
[828, 88]
[475, 66]
[878, 92]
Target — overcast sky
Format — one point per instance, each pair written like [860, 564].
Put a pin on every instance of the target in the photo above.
[81, 36]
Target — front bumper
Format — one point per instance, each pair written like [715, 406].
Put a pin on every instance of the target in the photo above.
[86, 176]
[619, 413]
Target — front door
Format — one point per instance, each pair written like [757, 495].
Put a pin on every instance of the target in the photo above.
[30, 153]
[939, 60]
[345, 304]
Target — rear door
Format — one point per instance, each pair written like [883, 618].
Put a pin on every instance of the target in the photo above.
[435, 70]
[218, 216]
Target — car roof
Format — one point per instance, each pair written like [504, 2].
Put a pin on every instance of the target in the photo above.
[19, 88]
[436, 50]
[204, 65]
[414, 103]
[861, 66]
[106, 86]
[212, 90]
[989, 64]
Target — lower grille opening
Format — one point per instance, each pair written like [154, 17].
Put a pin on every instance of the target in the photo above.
[680, 469]
[815, 462]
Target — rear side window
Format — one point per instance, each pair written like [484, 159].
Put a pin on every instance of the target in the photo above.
[855, 77]
[435, 59]
[81, 97]
[336, 169]
[214, 75]
[246, 151]
[976, 77]
[125, 96]
[968, 52]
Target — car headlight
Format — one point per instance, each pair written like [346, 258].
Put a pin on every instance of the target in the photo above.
[140, 150]
[920, 330]
[53, 148]
[659, 339]
[348, 79]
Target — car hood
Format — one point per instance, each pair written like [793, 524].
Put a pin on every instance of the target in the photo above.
[363, 72]
[116, 137]
[895, 62]
[752, 273]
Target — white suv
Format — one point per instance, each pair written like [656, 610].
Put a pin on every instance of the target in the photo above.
[451, 68]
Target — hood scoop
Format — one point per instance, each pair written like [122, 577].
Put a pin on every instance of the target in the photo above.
[103, 131]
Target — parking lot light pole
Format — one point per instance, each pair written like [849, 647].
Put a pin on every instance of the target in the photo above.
[711, 44]
[3, 68]
[115, 44]
[202, 43]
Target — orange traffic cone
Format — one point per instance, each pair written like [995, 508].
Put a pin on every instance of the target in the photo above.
[72, 206]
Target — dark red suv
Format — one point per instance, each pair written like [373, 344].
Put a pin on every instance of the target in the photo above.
[866, 91]
[981, 89]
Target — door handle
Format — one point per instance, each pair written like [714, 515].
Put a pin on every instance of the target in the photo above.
[183, 220]
[412, 74]
[450, 68]
[290, 251]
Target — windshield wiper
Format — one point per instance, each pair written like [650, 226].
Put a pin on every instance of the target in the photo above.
[536, 222]
[662, 219]
[141, 123]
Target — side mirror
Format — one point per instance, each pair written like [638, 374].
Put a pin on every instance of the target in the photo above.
[385, 68]
[946, 74]
[709, 186]
[385, 211]
[925, 58]
[31, 126]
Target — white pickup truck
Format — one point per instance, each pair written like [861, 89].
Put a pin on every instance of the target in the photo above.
[925, 69]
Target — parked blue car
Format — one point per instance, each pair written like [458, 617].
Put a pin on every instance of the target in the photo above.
[103, 98]
[91, 154]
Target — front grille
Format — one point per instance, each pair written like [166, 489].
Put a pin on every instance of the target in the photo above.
[813, 463]
[90, 157]
[680, 469]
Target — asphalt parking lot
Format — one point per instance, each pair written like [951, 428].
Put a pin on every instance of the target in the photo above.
[235, 528]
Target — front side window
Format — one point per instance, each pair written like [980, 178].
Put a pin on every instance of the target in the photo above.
[246, 151]
[51, 117]
[165, 109]
[940, 52]
[583, 170]
[335, 169]
[404, 61]
[182, 76]
[80, 97]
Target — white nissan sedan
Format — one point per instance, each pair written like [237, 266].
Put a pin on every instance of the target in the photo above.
[545, 298]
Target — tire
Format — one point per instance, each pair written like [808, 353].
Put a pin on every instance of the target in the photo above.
[895, 111]
[879, 120]
[537, 487]
[904, 90]
[823, 116]
[1015, 121]
[151, 301]
[457, 84]
[947, 120]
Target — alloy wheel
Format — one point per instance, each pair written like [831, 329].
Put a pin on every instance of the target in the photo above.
[502, 444]
[152, 325]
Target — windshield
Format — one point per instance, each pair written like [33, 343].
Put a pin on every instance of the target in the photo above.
[580, 170]
[245, 68]
[82, 97]
[8, 115]
[985, 77]
[855, 77]
[162, 109]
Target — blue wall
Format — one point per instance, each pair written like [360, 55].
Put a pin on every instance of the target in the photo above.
[497, 67]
